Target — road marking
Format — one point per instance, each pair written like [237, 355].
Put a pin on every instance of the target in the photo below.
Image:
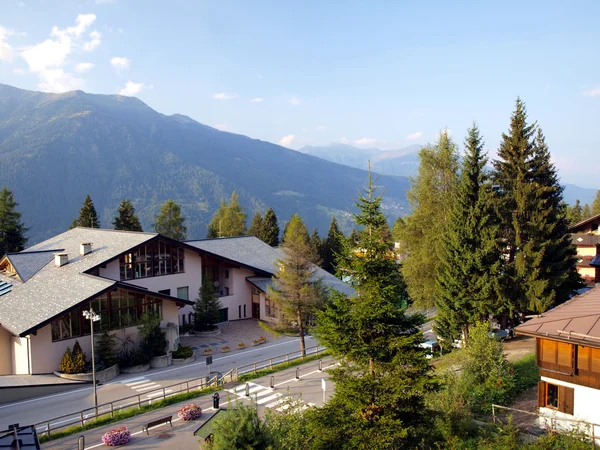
[305, 374]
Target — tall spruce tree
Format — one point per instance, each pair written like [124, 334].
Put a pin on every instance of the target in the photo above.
[431, 197]
[586, 212]
[87, 215]
[539, 265]
[574, 213]
[12, 230]
[229, 220]
[333, 246]
[207, 306]
[256, 227]
[383, 375]
[470, 253]
[317, 245]
[595, 210]
[271, 228]
[295, 288]
[127, 219]
[170, 222]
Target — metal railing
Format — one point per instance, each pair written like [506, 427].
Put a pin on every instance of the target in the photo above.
[86, 415]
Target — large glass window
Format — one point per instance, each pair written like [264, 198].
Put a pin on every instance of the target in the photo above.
[155, 259]
[552, 396]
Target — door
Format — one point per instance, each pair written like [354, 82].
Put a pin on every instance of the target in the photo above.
[256, 311]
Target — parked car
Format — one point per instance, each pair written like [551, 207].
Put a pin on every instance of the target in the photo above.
[497, 333]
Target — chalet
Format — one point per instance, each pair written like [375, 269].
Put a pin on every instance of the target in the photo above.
[121, 275]
[568, 356]
[585, 235]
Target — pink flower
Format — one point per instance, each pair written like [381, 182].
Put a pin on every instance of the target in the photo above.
[190, 412]
[118, 436]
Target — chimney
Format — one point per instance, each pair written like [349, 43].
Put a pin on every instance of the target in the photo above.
[60, 259]
[85, 248]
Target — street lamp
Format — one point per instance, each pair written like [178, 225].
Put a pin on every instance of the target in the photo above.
[93, 318]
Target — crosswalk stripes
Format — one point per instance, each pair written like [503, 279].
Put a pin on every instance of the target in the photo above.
[265, 396]
[144, 385]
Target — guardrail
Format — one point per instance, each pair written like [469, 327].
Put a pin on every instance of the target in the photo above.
[88, 414]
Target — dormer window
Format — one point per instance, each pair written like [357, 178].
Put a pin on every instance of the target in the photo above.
[152, 260]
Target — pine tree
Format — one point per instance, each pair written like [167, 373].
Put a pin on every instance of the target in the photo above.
[431, 197]
[317, 244]
[586, 212]
[295, 288]
[539, 265]
[170, 222]
[229, 220]
[87, 215]
[12, 230]
[271, 228]
[574, 213]
[333, 246]
[470, 254]
[206, 309]
[397, 229]
[256, 226]
[595, 210]
[126, 218]
[383, 374]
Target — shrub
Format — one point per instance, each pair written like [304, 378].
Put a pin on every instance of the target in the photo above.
[190, 412]
[208, 351]
[241, 345]
[225, 348]
[240, 428]
[105, 351]
[154, 341]
[183, 352]
[73, 362]
[118, 436]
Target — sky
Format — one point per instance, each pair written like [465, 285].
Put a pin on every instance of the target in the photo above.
[385, 74]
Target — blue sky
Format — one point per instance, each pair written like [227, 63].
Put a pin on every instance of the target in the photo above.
[384, 74]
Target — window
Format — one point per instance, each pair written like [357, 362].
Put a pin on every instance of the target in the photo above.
[227, 274]
[178, 260]
[240, 310]
[154, 259]
[555, 396]
[551, 396]
[183, 292]
[165, 291]
[244, 310]
[226, 290]
[162, 259]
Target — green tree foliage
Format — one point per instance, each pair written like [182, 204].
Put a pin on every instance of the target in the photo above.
[87, 215]
[153, 342]
[271, 228]
[12, 230]
[126, 218]
[105, 351]
[229, 220]
[73, 362]
[383, 374]
[170, 222]
[431, 198]
[333, 246]
[240, 428]
[295, 287]
[539, 269]
[574, 213]
[207, 306]
[470, 253]
[586, 212]
[595, 210]
[256, 226]
[397, 229]
[317, 244]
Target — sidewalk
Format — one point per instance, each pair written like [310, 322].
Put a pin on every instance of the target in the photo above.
[181, 435]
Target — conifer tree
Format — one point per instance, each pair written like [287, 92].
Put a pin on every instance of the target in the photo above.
[595, 210]
[229, 220]
[87, 215]
[431, 198]
[127, 219]
[317, 244]
[207, 306]
[12, 230]
[397, 229]
[383, 374]
[295, 288]
[271, 228]
[170, 222]
[334, 244]
[470, 253]
[574, 213]
[586, 212]
[256, 226]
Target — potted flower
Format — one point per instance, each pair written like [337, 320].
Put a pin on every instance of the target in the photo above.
[118, 436]
[208, 351]
[262, 339]
[189, 412]
[241, 345]
[225, 349]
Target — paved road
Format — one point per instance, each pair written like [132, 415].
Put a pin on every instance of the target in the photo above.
[144, 384]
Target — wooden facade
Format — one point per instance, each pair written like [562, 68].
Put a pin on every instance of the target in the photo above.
[569, 362]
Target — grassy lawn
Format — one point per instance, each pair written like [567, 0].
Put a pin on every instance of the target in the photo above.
[527, 373]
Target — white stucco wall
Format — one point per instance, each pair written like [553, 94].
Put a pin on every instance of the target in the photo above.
[586, 251]
[20, 356]
[5, 352]
[585, 407]
[242, 294]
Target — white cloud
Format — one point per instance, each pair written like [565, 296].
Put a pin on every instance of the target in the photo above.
[344, 140]
[256, 100]
[18, 71]
[224, 96]
[83, 23]
[321, 128]
[594, 92]
[365, 141]
[57, 80]
[93, 42]
[6, 51]
[295, 101]
[119, 62]
[414, 136]
[286, 141]
[222, 126]
[131, 88]
[84, 67]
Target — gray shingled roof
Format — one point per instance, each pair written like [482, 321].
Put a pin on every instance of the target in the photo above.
[261, 283]
[251, 252]
[55, 289]
[27, 264]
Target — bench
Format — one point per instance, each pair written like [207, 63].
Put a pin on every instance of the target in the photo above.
[166, 419]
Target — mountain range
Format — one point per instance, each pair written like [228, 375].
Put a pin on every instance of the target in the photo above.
[56, 148]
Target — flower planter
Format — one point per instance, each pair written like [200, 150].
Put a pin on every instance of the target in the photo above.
[225, 349]
[135, 369]
[241, 346]
[161, 361]
[208, 352]
[179, 362]
[190, 412]
[118, 436]
[101, 375]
